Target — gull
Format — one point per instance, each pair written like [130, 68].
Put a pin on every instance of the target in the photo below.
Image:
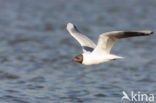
[96, 54]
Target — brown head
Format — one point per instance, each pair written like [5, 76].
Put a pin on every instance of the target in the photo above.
[78, 58]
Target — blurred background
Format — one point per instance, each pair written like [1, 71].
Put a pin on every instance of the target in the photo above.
[35, 49]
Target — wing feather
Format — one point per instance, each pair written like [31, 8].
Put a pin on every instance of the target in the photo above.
[86, 43]
[106, 40]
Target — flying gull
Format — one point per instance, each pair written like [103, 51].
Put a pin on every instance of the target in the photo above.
[96, 54]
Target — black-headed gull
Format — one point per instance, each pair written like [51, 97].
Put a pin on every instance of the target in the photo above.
[95, 54]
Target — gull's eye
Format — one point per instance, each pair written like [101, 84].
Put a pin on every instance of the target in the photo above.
[77, 57]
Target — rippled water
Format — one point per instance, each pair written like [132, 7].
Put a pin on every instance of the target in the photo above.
[35, 49]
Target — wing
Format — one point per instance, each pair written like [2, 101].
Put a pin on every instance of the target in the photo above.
[85, 42]
[106, 40]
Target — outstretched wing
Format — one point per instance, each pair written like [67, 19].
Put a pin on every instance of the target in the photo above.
[106, 40]
[87, 44]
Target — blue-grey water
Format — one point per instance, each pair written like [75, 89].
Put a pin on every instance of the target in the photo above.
[35, 50]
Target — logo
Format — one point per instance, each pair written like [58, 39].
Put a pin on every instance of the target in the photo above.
[138, 96]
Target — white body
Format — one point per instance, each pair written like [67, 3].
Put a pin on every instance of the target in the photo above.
[92, 59]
